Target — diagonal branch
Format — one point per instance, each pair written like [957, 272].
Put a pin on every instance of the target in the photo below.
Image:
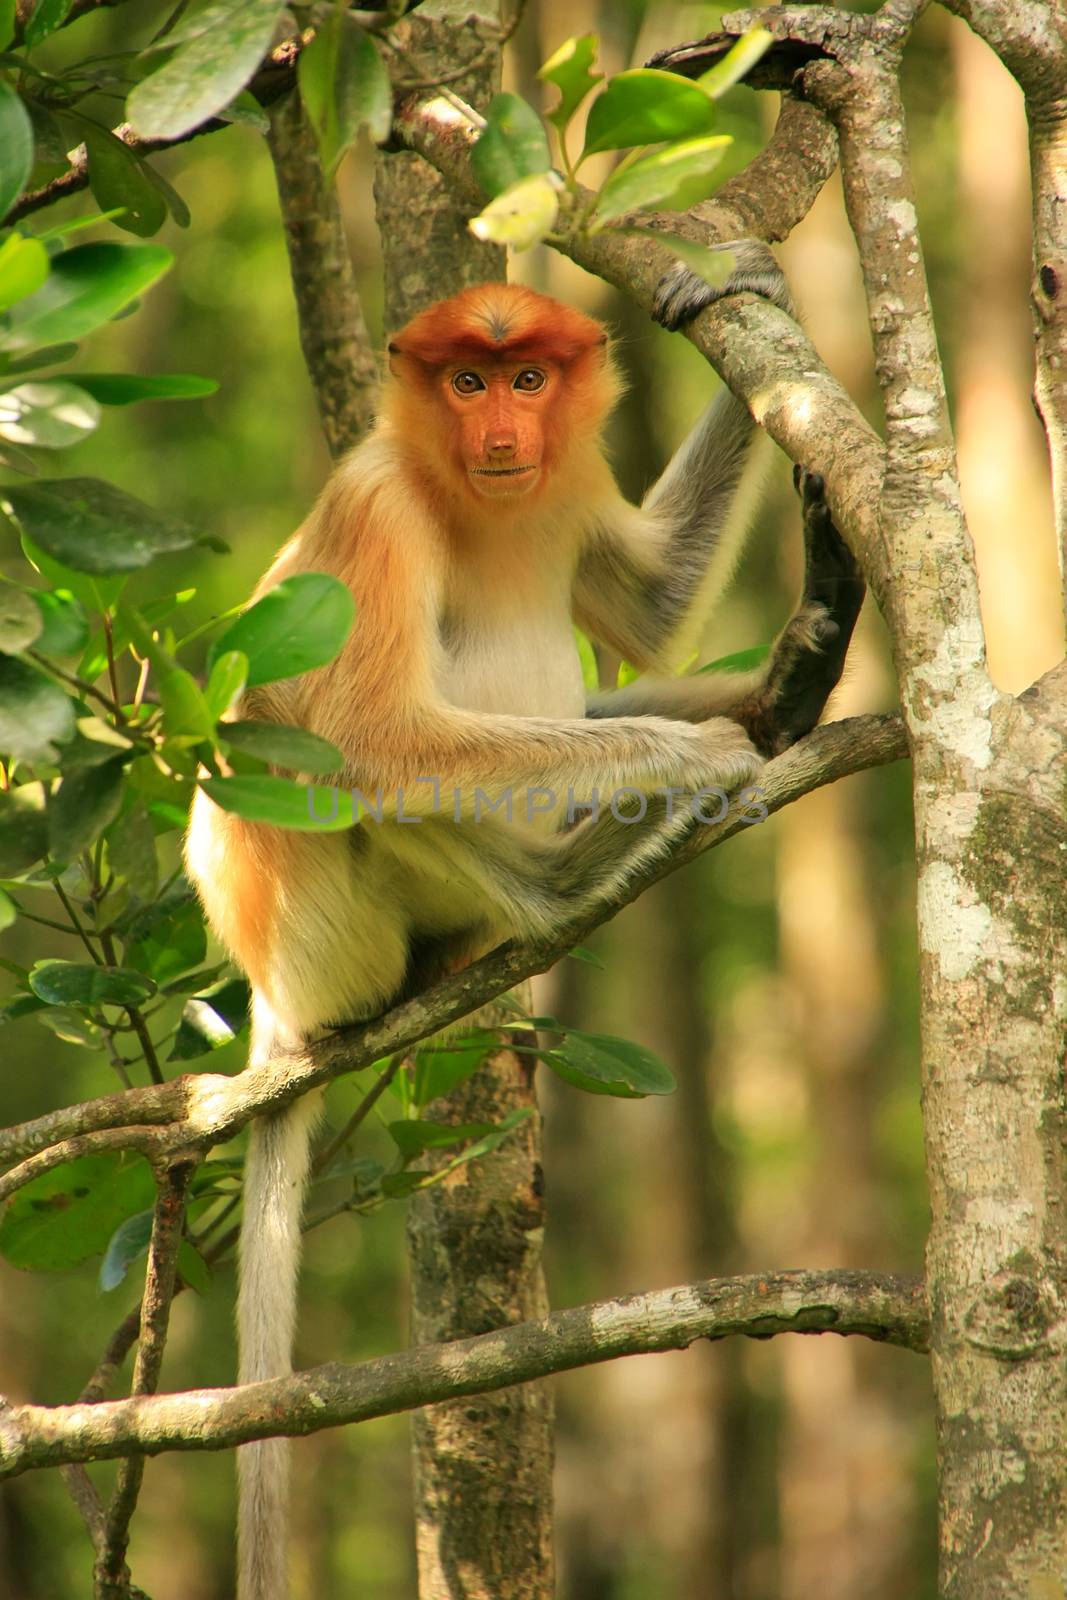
[198, 1110]
[881, 1307]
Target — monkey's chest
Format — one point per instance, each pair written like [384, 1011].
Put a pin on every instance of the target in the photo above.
[521, 666]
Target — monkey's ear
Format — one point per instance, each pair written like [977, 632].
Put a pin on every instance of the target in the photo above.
[403, 363]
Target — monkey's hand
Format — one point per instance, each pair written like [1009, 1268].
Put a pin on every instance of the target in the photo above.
[682, 295]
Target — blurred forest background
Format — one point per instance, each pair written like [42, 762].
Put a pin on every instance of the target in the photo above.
[776, 976]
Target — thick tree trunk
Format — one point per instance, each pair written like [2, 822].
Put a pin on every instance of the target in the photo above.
[483, 1466]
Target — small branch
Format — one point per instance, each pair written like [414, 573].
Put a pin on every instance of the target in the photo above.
[86, 1497]
[198, 1110]
[148, 1141]
[359, 1116]
[111, 1575]
[333, 333]
[881, 1307]
[920, 510]
[275, 77]
[1029, 37]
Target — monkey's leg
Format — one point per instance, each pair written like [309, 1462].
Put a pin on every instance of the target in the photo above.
[809, 656]
[779, 703]
[681, 295]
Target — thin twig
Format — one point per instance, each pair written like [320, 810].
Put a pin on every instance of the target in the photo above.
[362, 1111]
[111, 1578]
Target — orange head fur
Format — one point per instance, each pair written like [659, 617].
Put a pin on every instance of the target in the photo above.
[495, 388]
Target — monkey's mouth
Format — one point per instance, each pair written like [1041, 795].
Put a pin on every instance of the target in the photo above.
[500, 482]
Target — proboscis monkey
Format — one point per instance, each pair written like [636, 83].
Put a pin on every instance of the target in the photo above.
[475, 526]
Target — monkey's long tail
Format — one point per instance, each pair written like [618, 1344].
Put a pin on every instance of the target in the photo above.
[269, 1264]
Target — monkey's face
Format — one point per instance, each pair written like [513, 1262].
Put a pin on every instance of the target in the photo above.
[499, 414]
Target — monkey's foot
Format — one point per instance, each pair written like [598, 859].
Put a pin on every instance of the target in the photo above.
[682, 294]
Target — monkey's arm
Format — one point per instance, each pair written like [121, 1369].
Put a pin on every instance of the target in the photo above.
[645, 576]
[379, 704]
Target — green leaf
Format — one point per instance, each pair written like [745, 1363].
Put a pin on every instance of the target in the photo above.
[246, 109]
[48, 15]
[166, 939]
[70, 1213]
[51, 414]
[185, 711]
[397, 1185]
[126, 389]
[412, 1138]
[511, 146]
[66, 983]
[646, 106]
[16, 147]
[23, 265]
[118, 181]
[192, 1268]
[95, 594]
[131, 851]
[746, 52]
[86, 801]
[7, 23]
[211, 1019]
[129, 1240]
[578, 952]
[171, 198]
[91, 526]
[439, 1068]
[20, 620]
[70, 1026]
[522, 215]
[570, 69]
[8, 911]
[35, 714]
[587, 657]
[86, 287]
[20, 1005]
[740, 661]
[344, 86]
[64, 626]
[300, 624]
[710, 262]
[205, 73]
[23, 829]
[48, 356]
[673, 179]
[283, 746]
[304, 807]
[229, 674]
[599, 1063]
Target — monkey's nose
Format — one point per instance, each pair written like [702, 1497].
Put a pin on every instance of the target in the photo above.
[499, 446]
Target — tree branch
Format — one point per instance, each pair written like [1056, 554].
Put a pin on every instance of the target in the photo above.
[275, 78]
[889, 1309]
[1029, 37]
[195, 1111]
[333, 332]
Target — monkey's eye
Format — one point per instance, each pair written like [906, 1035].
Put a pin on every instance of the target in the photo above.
[529, 380]
[467, 383]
